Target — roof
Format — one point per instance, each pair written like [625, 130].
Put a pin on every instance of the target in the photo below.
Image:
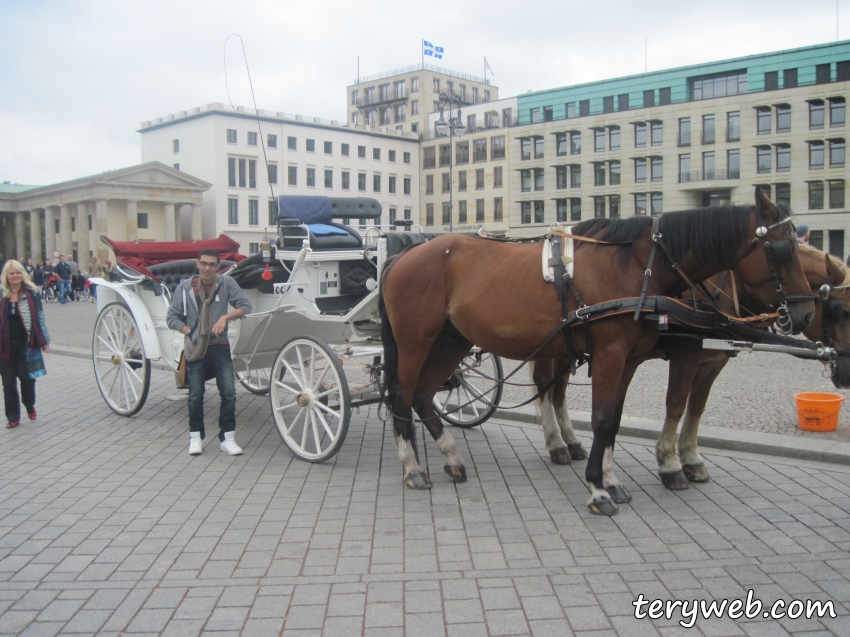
[11, 189]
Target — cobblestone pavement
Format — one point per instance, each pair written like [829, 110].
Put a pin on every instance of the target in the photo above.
[71, 324]
[108, 526]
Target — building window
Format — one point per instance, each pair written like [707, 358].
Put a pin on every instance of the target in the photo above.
[461, 212]
[733, 163]
[231, 136]
[707, 87]
[525, 212]
[614, 206]
[525, 148]
[429, 184]
[271, 140]
[253, 212]
[273, 173]
[823, 73]
[560, 210]
[539, 216]
[765, 188]
[252, 139]
[560, 144]
[142, 219]
[429, 157]
[497, 209]
[783, 194]
[613, 139]
[273, 212]
[816, 239]
[233, 211]
[311, 177]
[429, 214]
[608, 104]
[598, 140]
[291, 143]
[497, 177]
[640, 135]
[763, 117]
[733, 126]
[361, 152]
[538, 179]
[560, 177]
[479, 149]
[815, 155]
[252, 173]
[311, 145]
[376, 183]
[462, 153]
[447, 212]
[376, 154]
[446, 182]
[575, 209]
[406, 157]
[836, 194]
[392, 215]
[640, 171]
[497, 147]
[584, 108]
[708, 165]
[242, 173]
[343, 150]
[329, 178]
[346, 180]
[391, 185]
[361, 182]
[479, 179]
[836, 153]
[175, 146]
[657, 203]
[783, 158]
[391, 155]
[783, 118]
[598, 174]
[836, 111]
[656, 169]
[816, 114]
[816, 195]
[292, 175]
[684, 131]
[176, 166]
[763, 157]
[599, 207]
[771, 80]
[614, 173]
[406, 185]
[575, 143]
[656, 133]
[836, 242]
[575, 176]
[231, 172]
[708, 129]
[445, 155]
[535, 115]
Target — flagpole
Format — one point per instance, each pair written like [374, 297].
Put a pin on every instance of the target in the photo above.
[485, 69]
[422, 51]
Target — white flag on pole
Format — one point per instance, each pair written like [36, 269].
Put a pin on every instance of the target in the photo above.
[487, 66]
[430, 49]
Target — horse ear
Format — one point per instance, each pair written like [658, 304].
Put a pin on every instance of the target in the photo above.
[833, 272]
[765, 207]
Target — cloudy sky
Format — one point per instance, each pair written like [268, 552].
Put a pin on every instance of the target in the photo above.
[77, 77]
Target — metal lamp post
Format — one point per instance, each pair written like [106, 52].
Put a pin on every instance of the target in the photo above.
[452, 126]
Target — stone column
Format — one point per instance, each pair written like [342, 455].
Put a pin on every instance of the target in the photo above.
[9, 236]
[101, 226]
[65, 245]
[35, 236]
[20, 244]
[170, 223]
[132, 220]
[49, 232]
[83, 234]
[197, 223]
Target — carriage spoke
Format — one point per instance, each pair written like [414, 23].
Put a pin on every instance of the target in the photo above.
[130, 370]
[304, 382]
[325, 425]
[321, 379]
[330, 391]
[294, 375]
[294, 421]
[328, 410]
[111, 368]
[286, 387]
[315, 431]
[470, 402]
[108, 346]
[286, 406]
[305, 430]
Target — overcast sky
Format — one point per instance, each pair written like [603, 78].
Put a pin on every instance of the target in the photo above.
[78, 77]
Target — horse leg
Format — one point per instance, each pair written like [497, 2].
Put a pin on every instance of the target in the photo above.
[609, 479]
[559, 400]
[448, 350]
[683, 367]
[542, 373]
[692, 463]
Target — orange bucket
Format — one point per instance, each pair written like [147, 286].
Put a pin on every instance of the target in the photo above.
[818, 411]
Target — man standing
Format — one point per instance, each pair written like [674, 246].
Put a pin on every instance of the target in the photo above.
[63, 271]
[199, 311]
[75, 270]
[28, 266]
[803, 234]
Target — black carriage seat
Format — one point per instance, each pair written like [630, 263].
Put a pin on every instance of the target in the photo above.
[249, 273]
[172, 272]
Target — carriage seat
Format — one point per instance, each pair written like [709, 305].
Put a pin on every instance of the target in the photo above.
[323, 236]
[172, 272]
[307, 217]
[398, 241]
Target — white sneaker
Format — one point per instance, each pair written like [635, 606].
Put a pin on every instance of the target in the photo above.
[195, 443]
[228, 445]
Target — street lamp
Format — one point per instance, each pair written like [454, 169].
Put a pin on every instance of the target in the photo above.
[453, 126]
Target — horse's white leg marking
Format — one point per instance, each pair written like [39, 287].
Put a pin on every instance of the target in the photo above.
[549, 420]
[448, 446]
[688, 452]
[407, 456]
[596, 495]
[566, 425]
[608, 477]
[665, 448]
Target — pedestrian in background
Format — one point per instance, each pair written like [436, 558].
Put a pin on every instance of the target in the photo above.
[63, 271]
[48, 269]
[803, 234]
[29, 267]
[23, 336]
[95, 270]
[38, 278]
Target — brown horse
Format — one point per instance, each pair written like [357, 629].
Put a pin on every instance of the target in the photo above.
[440, 297]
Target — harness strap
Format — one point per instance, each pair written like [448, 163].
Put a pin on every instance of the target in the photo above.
[656, 236]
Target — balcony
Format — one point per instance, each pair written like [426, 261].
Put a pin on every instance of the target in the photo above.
[708, 175]
[370, 100]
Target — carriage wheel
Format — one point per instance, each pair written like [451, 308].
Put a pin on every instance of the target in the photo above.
[256, 381]
[310, 399]
[478, 379]
[123, 373]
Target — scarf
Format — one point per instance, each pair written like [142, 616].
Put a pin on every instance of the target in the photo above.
[196, 351]
[35, 337]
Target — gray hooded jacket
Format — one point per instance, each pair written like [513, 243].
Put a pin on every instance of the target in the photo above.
[184, 308]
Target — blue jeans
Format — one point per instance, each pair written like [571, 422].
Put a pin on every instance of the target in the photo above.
[219, 360]
[64, 288]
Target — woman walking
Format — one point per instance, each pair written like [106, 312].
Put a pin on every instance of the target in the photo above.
[23, 336]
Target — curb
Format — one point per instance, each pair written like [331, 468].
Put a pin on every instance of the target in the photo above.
[710, 437]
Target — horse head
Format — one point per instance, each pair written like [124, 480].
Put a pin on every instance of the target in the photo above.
[770, 266]
[831, 324]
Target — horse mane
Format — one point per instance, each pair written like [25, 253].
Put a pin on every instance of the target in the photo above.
[714, 235]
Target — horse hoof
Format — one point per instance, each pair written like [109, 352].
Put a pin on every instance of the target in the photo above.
[560, 455]
[602, 506]
[458, 474]
[675, 481]
[696, 472]
[619, 494]
[577, 452]
[417, 481]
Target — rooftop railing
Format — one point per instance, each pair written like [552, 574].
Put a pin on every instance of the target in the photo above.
[421, 67]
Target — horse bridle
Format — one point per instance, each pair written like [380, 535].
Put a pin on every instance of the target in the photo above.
[831, 314]
[777, 254]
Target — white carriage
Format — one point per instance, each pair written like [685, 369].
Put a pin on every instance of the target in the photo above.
[312, 341]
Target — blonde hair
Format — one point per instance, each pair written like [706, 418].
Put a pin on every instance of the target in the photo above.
[4, 278]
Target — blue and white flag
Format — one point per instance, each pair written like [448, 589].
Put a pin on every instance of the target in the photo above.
[430, 49]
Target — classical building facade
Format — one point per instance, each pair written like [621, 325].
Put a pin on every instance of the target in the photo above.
[402, 99]
[149, 202]
[230, 148]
